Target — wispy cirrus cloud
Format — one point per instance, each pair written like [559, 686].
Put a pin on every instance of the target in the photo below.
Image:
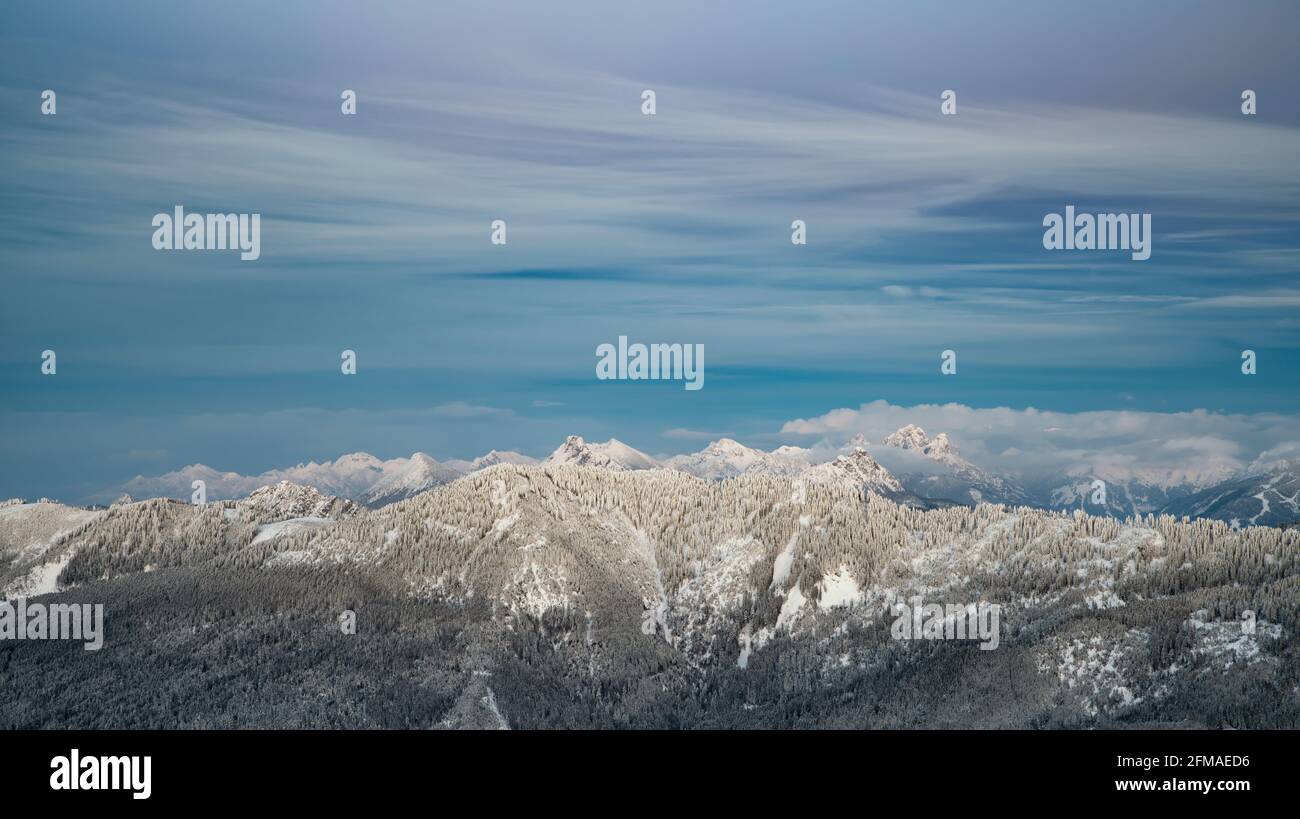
[924, 231]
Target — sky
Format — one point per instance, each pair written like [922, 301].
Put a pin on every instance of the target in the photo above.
[924, 230]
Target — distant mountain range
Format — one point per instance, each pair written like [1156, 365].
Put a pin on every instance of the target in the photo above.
[359, 477]
[928, 472]
[1270, 497]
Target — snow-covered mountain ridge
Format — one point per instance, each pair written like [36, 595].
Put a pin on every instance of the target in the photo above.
[741, 594]
[908, 462]
[358, 476]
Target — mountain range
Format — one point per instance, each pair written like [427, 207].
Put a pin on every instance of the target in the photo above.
[557, 595]
[1266, 497]
[927, 472]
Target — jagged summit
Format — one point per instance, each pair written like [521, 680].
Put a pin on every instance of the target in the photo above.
[908, 437]
[284, 500]
[501, 457]
[613, 454]
[950, 476]
[939, 446]
[418, 474]
[857, 469]
[913, 437]
[727, 458]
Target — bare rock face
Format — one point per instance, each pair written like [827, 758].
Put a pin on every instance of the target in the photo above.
[857, 469]
[945, 474]
[285, 500]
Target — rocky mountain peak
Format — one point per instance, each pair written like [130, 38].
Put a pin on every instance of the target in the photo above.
[908, 437]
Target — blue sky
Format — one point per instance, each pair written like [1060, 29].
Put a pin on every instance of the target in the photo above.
[924, 231]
